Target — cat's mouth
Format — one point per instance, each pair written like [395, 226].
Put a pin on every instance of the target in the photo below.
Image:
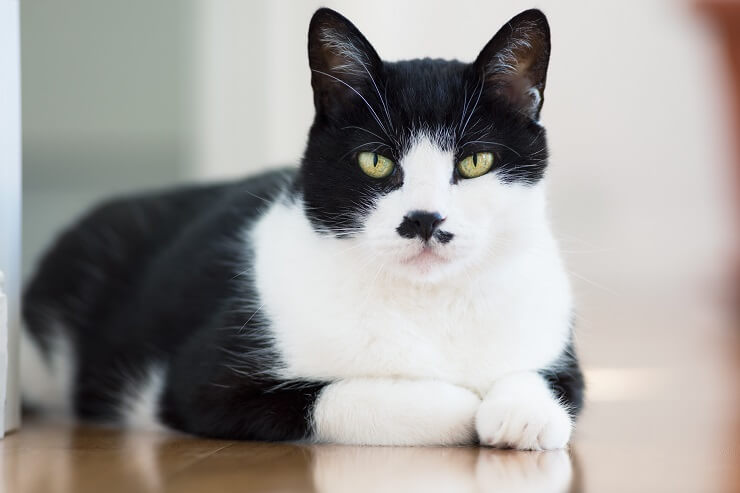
[426, 257]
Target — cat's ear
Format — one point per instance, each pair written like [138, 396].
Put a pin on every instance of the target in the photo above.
[343, 63]
[514, 63]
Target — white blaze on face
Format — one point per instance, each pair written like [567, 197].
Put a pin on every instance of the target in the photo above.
[485, 215]
[427, 178]
[427, 186]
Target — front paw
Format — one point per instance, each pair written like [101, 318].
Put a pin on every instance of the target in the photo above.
[523, 423]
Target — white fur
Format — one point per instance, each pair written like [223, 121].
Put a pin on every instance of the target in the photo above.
[355, 59]
[395, 412]
[142, 401]
[46, 383]
[521, 412]
[492, 302]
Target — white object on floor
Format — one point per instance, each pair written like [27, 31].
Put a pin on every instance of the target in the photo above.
[10, 211]
[3, 353]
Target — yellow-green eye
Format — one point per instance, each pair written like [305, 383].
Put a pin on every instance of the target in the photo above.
[375, 165]
[475, 165]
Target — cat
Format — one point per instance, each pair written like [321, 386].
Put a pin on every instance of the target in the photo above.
[401, 287]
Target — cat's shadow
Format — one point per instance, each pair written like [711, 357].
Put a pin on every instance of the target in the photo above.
[480, 470]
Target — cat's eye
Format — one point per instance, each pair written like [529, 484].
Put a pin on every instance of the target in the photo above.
[475, 165]
[374, 164]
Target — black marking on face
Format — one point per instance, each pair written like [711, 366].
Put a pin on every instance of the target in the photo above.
[420, 224]
[365, 104]
[444, 237]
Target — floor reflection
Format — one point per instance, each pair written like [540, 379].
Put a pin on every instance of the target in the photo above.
[54, 459]
[340, 469]
[46, 458]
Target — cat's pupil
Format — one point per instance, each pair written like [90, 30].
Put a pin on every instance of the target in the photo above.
[475, 159]
[375, 159]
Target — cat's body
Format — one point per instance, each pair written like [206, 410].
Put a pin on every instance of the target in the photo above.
[329, 304]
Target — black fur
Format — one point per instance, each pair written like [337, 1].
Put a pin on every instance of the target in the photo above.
[157, 279]
[566, 380]
[420, 224]
[154, 280]
[432, 95]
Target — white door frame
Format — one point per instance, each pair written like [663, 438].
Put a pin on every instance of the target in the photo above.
[10, 210]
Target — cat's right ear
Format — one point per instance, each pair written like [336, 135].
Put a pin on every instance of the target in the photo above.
[513, 65]
[343, 63]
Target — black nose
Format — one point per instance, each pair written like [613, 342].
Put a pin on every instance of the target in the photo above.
[420, 223]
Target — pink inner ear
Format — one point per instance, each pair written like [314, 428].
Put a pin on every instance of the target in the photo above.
[514, 62]
[519, 91]
[517, 79]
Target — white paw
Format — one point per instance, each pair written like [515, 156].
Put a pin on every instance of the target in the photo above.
[523, 424]
[395, 412]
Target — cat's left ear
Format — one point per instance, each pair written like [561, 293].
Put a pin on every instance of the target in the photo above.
[514, 63]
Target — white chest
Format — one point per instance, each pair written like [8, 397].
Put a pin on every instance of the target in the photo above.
[333, 318]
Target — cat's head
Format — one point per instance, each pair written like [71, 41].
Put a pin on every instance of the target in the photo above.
[430, 166]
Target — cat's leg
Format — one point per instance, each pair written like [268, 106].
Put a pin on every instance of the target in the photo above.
[566, 380]
[533, 410]
[521, 411]
[395, 412]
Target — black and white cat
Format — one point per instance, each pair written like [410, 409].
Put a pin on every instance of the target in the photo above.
[402, 287]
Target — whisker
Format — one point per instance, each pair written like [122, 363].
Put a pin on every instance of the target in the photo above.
[250, 318]
[382, 101]
[472, 110]
[491, 143]
[593, 283]
[258, 197]
[375, 115]
[363, 129]
[379, 145]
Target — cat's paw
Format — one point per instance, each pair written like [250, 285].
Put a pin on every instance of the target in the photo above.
[523, 422]
[396, 412]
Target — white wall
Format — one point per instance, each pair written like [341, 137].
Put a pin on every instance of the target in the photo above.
[10, 207]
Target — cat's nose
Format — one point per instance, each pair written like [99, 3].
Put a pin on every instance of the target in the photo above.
[420, 223]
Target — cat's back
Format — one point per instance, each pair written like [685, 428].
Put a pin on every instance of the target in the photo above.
[124, 241]
[138, 274]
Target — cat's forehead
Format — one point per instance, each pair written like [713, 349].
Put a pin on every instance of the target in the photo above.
[427, 69]
[427, 89]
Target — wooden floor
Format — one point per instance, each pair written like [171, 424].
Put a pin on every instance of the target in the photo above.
[671, 425]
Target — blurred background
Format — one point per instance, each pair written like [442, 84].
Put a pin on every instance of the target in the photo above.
[121, 96]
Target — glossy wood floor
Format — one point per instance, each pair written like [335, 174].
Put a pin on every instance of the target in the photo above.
[671, 425]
